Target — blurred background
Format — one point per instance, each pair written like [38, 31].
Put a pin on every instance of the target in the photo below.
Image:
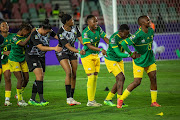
[164, 16]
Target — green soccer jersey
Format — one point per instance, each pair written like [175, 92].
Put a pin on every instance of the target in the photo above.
[6, 46]
[89, 37]
[112, 52]
[17, 53]
[142, 42]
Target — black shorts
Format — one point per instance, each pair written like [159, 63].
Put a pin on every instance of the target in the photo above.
[35, 62]
[60, 56]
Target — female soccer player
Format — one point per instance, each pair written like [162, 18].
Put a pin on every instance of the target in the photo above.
[5, 50]
[17, 61]
[142, 42]
[91, 62]
[35, 57]
[115, 64]
[68, 34]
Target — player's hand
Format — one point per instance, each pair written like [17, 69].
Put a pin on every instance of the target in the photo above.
[82, 52]
[104, 52]
[33, 30]
[137, 55]
[6, 53]
[58, 49]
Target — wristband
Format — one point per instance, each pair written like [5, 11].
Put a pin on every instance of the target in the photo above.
[101, 49]
[2, 53]
[131, 54]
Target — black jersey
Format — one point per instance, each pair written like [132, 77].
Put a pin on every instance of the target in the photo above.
[36, 39]
[68, 37]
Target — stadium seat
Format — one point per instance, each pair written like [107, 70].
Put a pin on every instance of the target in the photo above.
[163, 10]
[25, 15]
[137, 10]
[38, 1]
[48, 8]
[145, 9]
[32, 5]
[30, 1]
[172, 14]
[22, 1]
[74, 2]
[23, 8]
[46, 1]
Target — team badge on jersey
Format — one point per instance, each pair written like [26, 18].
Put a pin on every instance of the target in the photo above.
[91, 40]
[112, 41]
[85, 35]
[132, 37]
[61, 36]
[143, 41]
[6, 40]
[14, 38]
[36, 37]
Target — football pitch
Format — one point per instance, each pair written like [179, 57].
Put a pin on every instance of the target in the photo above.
[168, 79]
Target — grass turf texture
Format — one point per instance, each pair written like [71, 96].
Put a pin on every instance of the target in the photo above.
[168, 79]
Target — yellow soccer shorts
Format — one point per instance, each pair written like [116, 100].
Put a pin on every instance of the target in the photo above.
[138, 70]
[5, 67]
[18, 66]
[91, 63]
[114, 66]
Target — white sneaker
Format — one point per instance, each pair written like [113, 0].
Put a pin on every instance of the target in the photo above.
[7, 103]
[22, 103]
[93, 103]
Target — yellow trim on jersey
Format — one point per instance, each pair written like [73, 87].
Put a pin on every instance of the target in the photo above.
[118, 35]
[132, 41]
[86, 42]
[114, 46]
[125, 41]
[19, 35]
[18, 42]
[143, 44]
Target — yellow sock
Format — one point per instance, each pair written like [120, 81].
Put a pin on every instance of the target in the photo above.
[125, 94]
[110, 96]
[19, 94]
[90, 88]
[95, 84]
[22, 89]
[153, 95]
[118, 96]
[7, 94]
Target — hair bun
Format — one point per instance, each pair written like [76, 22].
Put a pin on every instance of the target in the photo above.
[46, 21]
[61, 14]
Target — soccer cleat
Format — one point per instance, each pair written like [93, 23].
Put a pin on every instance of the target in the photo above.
[75, 102]
[124, 105]
[34, 103]
[93, 103]
[155, 104]
[119, 103]
[16, 96]
[44, 103]
[109, 102]
[22, 103]
[7, 103]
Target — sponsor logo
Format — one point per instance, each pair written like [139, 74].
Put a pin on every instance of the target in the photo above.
[89, 68]
[143, 41]
[85, 35]
[114, 64]
[112, 41]
[34, 64]
[132, 37]
[138, 70]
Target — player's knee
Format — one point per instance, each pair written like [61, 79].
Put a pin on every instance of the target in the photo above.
[74, 76]
[120, 78]
[137, 83]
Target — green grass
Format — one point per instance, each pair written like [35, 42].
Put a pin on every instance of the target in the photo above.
[168, 78]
